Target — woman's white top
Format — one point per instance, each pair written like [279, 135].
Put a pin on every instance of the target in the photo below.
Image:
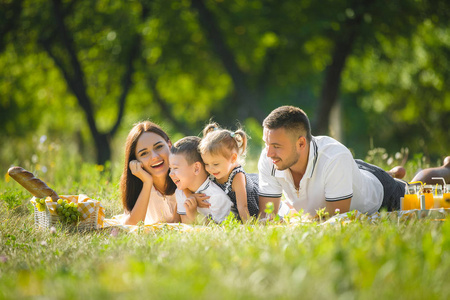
[160, 207]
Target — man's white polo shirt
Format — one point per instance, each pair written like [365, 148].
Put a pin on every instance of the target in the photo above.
[220, 202]
[331, 175]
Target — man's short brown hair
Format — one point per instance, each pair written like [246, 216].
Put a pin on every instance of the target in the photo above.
[291, 118]
[188, 147]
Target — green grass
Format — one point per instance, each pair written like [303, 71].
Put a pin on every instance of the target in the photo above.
[390, 259]
[356, 261]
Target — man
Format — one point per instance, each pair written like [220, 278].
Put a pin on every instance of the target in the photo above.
[317, 172]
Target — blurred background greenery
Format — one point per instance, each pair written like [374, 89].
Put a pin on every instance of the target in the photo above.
[76, 75]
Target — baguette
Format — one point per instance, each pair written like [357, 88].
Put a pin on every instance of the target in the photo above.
[34, 185]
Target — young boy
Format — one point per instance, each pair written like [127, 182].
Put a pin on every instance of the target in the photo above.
[188, 172]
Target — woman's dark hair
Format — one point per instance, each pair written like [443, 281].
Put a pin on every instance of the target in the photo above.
[130, 185]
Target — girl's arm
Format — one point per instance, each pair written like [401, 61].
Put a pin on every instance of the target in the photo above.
[239, 187]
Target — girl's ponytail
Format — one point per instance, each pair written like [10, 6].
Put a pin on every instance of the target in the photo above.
[221, 141]
[210, 128]
[241, 140]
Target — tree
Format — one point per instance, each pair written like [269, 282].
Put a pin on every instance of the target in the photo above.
[181, 62]
[59, 43]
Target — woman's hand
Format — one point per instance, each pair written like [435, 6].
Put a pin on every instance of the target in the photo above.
[138, 171]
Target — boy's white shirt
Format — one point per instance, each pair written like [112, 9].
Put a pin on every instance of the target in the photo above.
[220, 202]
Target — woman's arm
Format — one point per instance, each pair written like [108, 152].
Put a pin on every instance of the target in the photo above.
[139, 210]
[176, 218]
[239, 187]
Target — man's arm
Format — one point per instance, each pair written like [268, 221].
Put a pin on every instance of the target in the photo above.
[263, 202]
[342, 205]
[269, 188]
[339, 183]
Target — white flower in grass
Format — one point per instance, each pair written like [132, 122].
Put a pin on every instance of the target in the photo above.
[42, 139]
[114, 232]
[337, 211]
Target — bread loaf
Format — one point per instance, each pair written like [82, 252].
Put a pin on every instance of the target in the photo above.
[34, 185]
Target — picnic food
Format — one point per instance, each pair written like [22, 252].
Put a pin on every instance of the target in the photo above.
[68, 211]
[71, 211]
[34, 185]
[40, 204]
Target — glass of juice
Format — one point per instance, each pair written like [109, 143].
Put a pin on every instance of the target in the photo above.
[427, 190]
[438, 195]
[444, 201]
[411, 198]
[446, 197]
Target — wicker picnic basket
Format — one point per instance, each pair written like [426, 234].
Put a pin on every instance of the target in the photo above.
[90, 217]
[45, 219]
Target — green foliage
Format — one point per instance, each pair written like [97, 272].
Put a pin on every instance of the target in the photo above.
[402, 89]
[394, 83]
[13, 197]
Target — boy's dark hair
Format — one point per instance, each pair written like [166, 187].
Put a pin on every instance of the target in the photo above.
[188, 147]
[291, 118]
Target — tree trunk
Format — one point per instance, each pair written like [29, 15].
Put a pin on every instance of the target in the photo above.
[75, 78]
[103, 148]
[12, 18]
[331, 84]
[342, 49]
[244, 102]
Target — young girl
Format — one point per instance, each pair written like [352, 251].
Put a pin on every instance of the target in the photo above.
[221, 150]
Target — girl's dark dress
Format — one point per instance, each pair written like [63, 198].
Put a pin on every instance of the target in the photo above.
[252, 190]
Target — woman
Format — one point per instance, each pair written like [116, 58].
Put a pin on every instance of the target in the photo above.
[146, 189]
